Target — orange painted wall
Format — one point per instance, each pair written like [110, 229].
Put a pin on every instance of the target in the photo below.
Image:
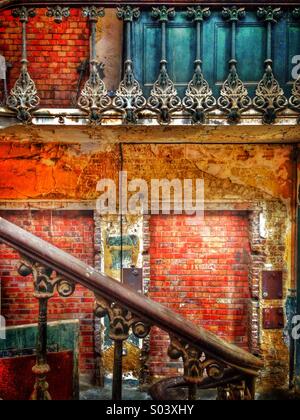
[53, 171]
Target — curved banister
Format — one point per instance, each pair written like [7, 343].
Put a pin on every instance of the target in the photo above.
[149, 311]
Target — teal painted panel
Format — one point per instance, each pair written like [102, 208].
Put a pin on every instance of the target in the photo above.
[222, 53]
[181, 38]
[216, 50]
[151, 54]
[62, 335]
[251, 50]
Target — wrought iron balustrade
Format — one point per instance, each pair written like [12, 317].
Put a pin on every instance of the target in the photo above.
[209, 361]
[202, 99]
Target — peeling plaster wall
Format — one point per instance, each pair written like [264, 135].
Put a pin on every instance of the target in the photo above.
[53, 171]
[250, 176]
[109, 48]
[58, 171]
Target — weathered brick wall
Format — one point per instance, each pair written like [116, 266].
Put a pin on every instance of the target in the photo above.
[253, 178]
[54, 53]
[71, 231]
[200, 268]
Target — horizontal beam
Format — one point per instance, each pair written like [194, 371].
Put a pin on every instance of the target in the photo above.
[9, 4]
[149, 311]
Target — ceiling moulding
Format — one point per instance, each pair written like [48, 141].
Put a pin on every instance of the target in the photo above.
[9, 4]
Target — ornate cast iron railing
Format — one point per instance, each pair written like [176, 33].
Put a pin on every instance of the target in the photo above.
[164, 103]
[198, 99]
[94, 97]
[234, 97]
[269, 95]
[164, 99]
[209, 362]
[23, 97]
[129, 97]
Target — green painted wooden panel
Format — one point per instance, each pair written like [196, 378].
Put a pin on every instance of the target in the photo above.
[62, 335]
[216, 45]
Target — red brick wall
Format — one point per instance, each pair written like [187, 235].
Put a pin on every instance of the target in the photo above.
[199, 268]
[54, 53]
[74, 233]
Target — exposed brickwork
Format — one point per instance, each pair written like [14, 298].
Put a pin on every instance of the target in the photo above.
[258, 257]
[54, 53]
[74, 233]
[200, 268]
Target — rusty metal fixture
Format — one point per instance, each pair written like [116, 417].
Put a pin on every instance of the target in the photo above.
[272, 285]
[270, 98]
[122, 322]
[235, 392]
[196, 364]
[45, 285]
[164, 100]
[94, 98]
[45, 282]
[178, 388]
[198, 99]
[58, 13]
[133, 277]
[23, 98]
[273, 318]
[129, 97]
[234, 99]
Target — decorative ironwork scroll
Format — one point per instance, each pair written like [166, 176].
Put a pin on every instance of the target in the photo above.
[94, 97]
[198, 99]
[45, 285]
[129, 97]
[295, 98]
[121, 321]
[196, 364]
[58, 13]
[23, 98]
[270, 98]
[238, 391]
[234, 99]
[296, 13]
[164, 99]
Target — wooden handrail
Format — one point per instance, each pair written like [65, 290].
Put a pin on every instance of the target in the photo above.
[149, 311]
